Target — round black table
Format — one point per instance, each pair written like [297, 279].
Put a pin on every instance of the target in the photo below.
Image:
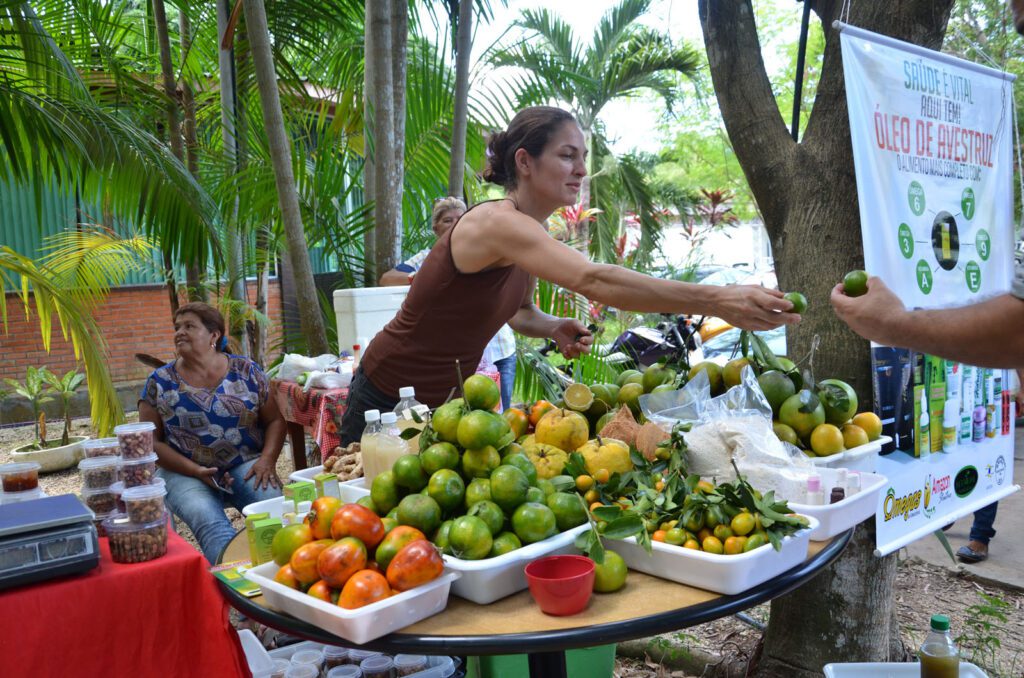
[647, 606]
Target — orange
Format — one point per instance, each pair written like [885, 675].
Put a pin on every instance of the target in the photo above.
[539, 409]
[518, 420]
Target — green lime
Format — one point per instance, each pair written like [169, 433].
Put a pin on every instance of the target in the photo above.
[509, 486]
[798, 300]
[533, 522]
[839, 400]
[714, 372]
[855, 283]
[546, 486]
[445, 421]
[447, 489]
[440, 537]
[478, 463]
[536, 495]
[568, 509]
[523, 463]
[469, 538]
[480, 392]
[481, 428]
[785, 433]
[776, 387]
[657, 375]
[506, 542]
[611, 574]
[367, 501]
[409, 473]
[421, 512]
[439, 456]
[490, 513]
[384, 492]
[479, 489]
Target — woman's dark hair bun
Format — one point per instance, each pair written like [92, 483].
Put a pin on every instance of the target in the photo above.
[530, 130]
[494, 172]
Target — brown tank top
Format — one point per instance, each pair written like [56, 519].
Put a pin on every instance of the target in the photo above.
[447, 316]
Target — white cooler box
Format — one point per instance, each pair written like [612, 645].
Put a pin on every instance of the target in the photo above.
[362, 312]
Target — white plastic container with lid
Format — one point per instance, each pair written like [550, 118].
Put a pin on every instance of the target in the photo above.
[144, 503]
[98, 472]
[101, 447]
[302, 671]
[345, 671]
[379, 666]
[136, 542]
[409, 664]
[135, 440]
[357, 656]
[140, 471]
[313, 658]
[389, 448]
[362, 312]
[335, 656]
[19, 476]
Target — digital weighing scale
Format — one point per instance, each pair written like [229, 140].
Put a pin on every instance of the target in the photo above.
[46, 538]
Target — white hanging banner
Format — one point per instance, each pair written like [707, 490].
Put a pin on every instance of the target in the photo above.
[932, 148]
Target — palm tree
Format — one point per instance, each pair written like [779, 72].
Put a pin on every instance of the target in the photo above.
[280, 149]
[67, 285]
[622, 59]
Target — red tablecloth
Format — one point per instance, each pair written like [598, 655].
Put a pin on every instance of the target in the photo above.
[160, 618]
[319, 410]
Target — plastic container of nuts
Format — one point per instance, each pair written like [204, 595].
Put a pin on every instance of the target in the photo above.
[136, 440]
[100, 501]
[101, 447]
[19, 476]
[144, 503]
[98, 472]
[141, 471]
[132, 542]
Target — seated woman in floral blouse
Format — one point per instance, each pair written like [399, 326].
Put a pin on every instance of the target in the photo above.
[218, 433]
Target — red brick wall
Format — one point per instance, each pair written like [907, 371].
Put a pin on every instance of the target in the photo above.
[133, 320]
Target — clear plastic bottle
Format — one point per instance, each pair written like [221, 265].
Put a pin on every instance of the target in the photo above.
[939, 655]
[408, 404]
[388, 448]
[368, 443]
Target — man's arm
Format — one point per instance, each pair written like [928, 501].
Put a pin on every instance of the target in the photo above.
[987, 334]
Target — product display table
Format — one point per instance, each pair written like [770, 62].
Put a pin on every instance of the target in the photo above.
[318, 409]
[159, 618]
[515, 625]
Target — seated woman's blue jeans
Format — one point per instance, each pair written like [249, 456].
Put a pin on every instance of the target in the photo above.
[202, 507]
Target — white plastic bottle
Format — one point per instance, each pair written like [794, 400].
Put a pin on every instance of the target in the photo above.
[388, 449]
[408, 404]
[925, 443]
[815, 495]
[371, 433]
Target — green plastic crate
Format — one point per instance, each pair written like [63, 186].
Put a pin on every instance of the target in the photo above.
[590, 662]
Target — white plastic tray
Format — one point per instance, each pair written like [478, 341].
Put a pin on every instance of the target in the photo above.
[260, 663]
[861, 458]
[488, 580]
[361, 625]
[841, 516]
[888, 670]
[306, 474]
[713, 572]
[351, 491]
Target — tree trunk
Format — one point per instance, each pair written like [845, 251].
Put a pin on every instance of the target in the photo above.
[583, 233]
[173, 131]
[807, 195]
[196, 269]
[396, 173]
[384, 103]
[460, 116]
[369, 135]
[228, 114]
[280, 154]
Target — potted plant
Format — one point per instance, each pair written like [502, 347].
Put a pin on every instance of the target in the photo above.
[65, 388]
[56, 454]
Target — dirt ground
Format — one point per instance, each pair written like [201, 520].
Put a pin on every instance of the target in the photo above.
[925, 590]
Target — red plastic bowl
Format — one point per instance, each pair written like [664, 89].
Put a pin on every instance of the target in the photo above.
[561, 585]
